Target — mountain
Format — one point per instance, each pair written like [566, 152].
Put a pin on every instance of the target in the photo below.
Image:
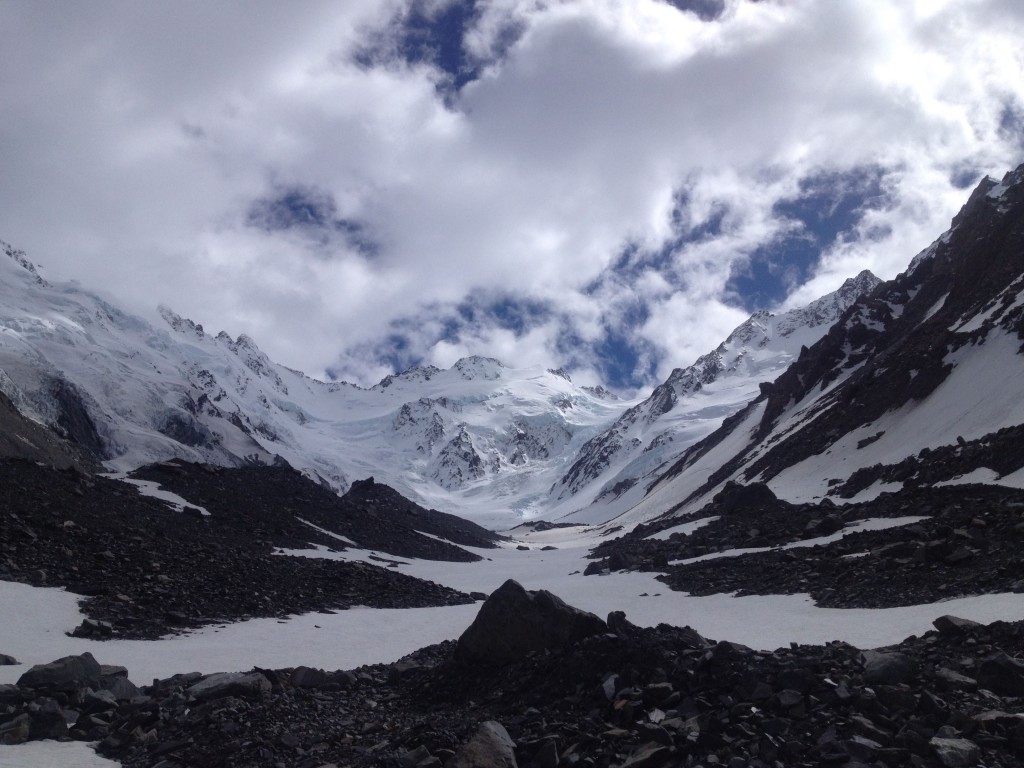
[918, 385]
[479, 439]
[606, 476]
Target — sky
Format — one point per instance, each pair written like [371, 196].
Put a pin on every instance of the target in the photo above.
[601, 186]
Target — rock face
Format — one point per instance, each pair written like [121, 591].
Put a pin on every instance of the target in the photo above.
[514, 622]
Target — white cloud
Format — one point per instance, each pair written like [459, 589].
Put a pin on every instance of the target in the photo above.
[136, 137]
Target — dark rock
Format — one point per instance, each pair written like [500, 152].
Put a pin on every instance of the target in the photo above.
[6, 660]
[306, 677]
[1002, 674]
[66, 674]
[490, 747]
[514, 622]
[93, 628]
[16, 730]
[955, 753]
[649, 755]
[888, 668]
[220, 684]
[950, 625]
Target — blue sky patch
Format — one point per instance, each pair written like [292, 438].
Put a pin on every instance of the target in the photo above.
[827, 208]
[433, 34]
[311, 211]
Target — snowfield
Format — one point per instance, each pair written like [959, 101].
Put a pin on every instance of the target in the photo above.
[37, 619]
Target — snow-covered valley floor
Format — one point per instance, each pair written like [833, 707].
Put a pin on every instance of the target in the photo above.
[36, 621]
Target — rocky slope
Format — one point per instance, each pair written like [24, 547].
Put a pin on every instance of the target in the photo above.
[612, 469]
[918, 383]
[147, 569]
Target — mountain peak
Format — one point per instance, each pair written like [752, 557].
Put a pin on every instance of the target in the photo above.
[180, 324]
[478, 367]
[19, 258]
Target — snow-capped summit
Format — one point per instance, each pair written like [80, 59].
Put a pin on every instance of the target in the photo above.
[918, 384]
[693, 401]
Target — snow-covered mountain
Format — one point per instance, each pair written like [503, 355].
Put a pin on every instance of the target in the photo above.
[607, 475]
[479, 439]
[920, 383]
[476, 438]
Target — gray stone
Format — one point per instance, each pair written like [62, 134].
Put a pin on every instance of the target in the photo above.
[955, 753]
[953, 625]
[514, 622]
[1002, 674]
[888, 668]
[490, 747]
[220, 684]
[6, 661]
[647, 756]
[307, 677]
[122, 688]
[15, 731]
[952, 680]
[66, 674]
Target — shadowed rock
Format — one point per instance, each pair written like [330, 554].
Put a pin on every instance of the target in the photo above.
[490, 747]
[514, 622]
[66, 674]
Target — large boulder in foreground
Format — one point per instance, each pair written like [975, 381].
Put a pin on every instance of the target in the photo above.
[514, 622]
[66, 674]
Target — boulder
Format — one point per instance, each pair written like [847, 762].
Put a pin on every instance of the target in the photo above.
[955, 753]
[1001, 674]
[490, 747]
[954, 625]
[66, 674]
[6, 660]
[514, 622]
[16, 730]
[221, 684]
[888, 668]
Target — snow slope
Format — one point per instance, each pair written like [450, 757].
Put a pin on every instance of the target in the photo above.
[920, 382]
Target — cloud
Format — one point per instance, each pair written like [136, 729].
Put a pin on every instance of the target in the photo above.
[602, 185]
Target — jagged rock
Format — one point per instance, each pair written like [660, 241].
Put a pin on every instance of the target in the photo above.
[93, 628]
[490, 747]
[955, 753]
[888, 668]
[305, 677]
[953, 624]
[1002, 674]
[65, 674]
[648, 755]
[16, 730]
[737, 496]
[514, 622]
[220, 684]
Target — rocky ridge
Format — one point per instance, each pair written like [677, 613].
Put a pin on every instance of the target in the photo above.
[892, 353]
[148, 570]
[655, 431]
[954, 541]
